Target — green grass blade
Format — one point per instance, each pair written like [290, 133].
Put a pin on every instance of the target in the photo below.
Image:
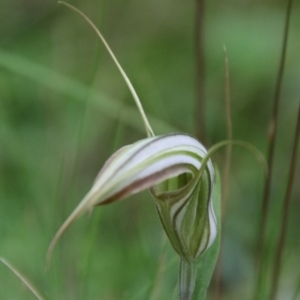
[76, 90]
[23, 279]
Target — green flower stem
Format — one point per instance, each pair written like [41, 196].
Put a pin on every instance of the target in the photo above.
[187, 278]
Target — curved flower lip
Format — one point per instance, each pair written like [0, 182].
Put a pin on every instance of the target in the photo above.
[149, 161]
[140, 166]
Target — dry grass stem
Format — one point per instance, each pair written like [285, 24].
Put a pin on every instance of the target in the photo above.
[272, 139]
[23, 279]
[285, 214]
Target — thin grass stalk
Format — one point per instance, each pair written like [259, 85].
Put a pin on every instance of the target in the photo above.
[83, 115]
[200, 91]
[155, 293]
[93, 235]
[95, 227]
[74, 171]
[226, 173]
[285, 214]
[79, 141]
[57, 207]
[229, 135]
[272, 140]
[23, 279]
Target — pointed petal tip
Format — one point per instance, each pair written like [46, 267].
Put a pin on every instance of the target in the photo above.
[84, 205]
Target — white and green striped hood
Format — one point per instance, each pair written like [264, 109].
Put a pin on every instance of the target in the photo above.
[170, 165]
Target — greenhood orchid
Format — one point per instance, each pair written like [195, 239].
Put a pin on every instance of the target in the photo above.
[177, 170]
[170, 166]
[180, 175]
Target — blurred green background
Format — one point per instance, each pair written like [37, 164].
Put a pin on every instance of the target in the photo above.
[64, 108]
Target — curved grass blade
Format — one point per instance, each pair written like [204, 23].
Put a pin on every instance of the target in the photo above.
[75, 89]
[23, 279]
[131, 88]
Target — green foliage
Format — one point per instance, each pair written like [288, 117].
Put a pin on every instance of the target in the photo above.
[52, 147]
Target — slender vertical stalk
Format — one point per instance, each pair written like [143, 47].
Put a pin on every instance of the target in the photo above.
[200, 93]
[229, 135]
[155, 294]
[285, 213]
[225, 179]
[187, 278]
[272, 140]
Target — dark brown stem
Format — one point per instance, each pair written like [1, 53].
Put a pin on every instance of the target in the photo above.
[200, 93]
[272, 140]
[285, 214]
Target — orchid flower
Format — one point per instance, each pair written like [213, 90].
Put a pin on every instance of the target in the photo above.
[170, 166]
[180, 175]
